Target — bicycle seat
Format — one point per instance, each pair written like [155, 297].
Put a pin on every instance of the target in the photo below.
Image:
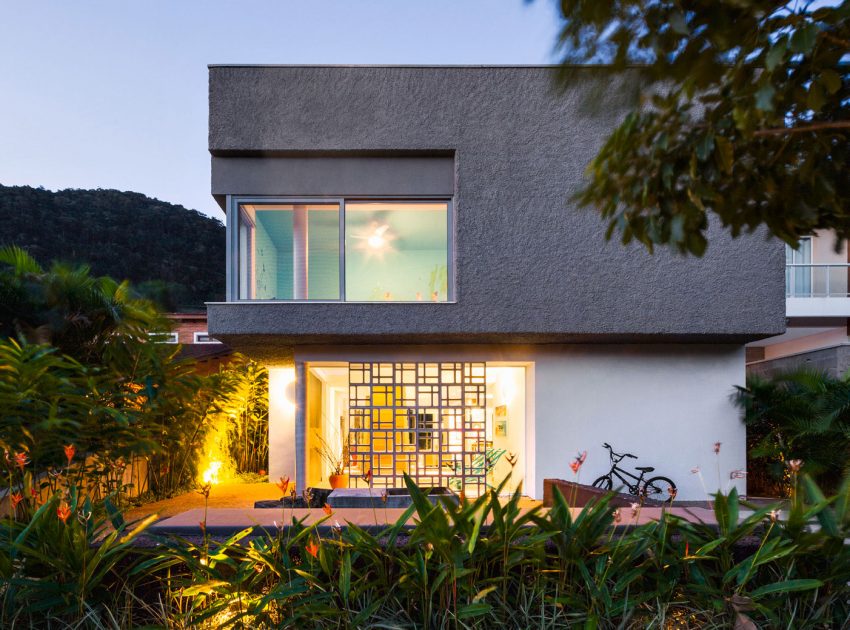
[645, 468]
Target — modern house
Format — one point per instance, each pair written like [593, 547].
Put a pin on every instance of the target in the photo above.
[404, 256]
[817, 307]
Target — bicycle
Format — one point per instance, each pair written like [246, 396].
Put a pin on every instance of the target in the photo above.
[656, 488]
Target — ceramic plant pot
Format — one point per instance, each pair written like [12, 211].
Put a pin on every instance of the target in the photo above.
[339, 481]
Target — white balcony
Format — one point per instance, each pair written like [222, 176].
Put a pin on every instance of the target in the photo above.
[817, 290]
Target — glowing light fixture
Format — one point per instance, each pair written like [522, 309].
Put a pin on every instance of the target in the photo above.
[212, 472]
[376, 241]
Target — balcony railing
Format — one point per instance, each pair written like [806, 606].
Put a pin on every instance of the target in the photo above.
[817, 281]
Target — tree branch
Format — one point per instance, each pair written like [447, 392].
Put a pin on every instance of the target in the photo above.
[818, 126]
[835, 40]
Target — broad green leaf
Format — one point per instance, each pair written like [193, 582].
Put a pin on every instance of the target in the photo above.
[789, 586]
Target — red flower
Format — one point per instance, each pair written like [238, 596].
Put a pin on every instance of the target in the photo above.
[312, 548]
[576, 464]
[368, 477]
[327, 508]
[70, 451]
[21, 460]
[63, 512]
[717, 448]
[283, 484]
[17, 497]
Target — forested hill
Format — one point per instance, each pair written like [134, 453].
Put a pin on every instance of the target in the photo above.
[171, 254]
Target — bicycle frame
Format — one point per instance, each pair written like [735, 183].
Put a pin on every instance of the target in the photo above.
[619, 472]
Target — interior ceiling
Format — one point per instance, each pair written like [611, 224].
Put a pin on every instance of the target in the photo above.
[410, 226]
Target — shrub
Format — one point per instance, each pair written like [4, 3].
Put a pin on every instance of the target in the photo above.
[802, 415]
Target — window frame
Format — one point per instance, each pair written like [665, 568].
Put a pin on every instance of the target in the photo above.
[196, 338]
[233, 255]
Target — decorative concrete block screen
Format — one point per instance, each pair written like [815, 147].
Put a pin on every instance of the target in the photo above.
[427, 420]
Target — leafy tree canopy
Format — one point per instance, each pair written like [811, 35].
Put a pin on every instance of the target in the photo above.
[745, 114]
[172, 255]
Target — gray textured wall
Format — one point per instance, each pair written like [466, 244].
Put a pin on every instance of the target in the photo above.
[531, 267]
[835, 361]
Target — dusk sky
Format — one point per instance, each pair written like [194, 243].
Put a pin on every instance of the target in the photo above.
[108, 94]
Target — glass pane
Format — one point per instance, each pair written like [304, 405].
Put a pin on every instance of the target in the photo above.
[396, 252]
[289, 251]
[798, 280]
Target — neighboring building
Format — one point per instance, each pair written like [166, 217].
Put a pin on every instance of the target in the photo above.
[190, 330]
[817, 299]
[404, 256]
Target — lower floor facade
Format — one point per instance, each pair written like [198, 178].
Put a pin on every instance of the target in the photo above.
[466, 417]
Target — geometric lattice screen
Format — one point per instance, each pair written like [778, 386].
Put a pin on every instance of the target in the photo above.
[423, 419]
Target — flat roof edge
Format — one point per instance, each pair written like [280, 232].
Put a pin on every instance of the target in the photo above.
[588, 66]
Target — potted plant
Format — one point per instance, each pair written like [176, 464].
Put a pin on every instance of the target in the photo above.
[335, 461]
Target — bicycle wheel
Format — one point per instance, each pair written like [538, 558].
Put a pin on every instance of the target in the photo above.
[659, 489]
[603, 483]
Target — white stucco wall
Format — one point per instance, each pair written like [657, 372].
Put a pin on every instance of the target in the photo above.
[668, 404]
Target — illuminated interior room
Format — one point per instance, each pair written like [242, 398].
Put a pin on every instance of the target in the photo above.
[457, 425]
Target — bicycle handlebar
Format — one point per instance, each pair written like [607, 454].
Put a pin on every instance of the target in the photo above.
[620, 455]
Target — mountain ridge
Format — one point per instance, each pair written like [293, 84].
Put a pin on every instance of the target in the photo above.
[171, 254]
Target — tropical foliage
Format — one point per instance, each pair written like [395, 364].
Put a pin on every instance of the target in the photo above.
[801, 415]
[79, 367]
[483, 563]
[744, 114]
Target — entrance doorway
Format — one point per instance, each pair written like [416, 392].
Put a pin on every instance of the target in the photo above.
[459, 424]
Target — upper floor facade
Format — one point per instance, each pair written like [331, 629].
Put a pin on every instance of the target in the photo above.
[433, 205]
[817, 283]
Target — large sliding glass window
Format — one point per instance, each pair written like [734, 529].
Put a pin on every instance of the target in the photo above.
[391, 251]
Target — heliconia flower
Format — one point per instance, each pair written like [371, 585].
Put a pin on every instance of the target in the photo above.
[283, 484]
[34, 493]
[70, 451]
[795, 465]
[327, 509]
[717, 448]
[203, 526]
[672, 492]
[576, 464]
[367, 477]
[63, 512]
[312, 548]
[635, 509]
[738, 474]
[774, 514]
[695, 470]
[16, 498]
[21, 460]
[384, 496]
[617, 516]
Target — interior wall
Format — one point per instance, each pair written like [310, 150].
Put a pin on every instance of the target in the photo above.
[507, 389]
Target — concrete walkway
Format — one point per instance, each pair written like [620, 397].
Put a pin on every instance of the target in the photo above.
[231, 509]
[223, 495]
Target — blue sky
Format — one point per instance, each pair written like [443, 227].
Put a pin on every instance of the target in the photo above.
[113, 94]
